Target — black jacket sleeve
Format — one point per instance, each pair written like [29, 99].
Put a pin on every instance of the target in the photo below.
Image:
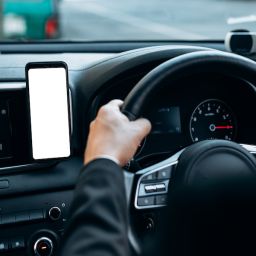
[98, 217]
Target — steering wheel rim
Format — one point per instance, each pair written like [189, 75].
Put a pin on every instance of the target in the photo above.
[187, 64]
[178, 67]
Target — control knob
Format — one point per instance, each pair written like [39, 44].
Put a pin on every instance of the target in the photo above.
[55, 213]
[43, 247]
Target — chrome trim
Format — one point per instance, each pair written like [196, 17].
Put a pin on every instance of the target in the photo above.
[40, 240]
[143, 193]
[71, 110]
[173, 160]
[250, 148]
[138, 187]
[25, 167]
[51, 209]
[12, 86]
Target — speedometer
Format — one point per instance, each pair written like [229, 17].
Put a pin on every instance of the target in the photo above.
[212, 119]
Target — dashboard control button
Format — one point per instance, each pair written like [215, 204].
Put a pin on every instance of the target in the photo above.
[150, 188]
[164, 173]
[146, 201]
[8, 219]
[149, 225]
[22, 217]
[55, 213]
[150, 177]
[43, 247]
[3, 246]
[160, 187]
[161, 200]
[36, 215]
[18, 243]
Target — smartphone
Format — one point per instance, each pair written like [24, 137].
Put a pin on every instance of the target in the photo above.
[49, 110]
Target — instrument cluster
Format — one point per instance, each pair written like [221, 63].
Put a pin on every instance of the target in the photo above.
[192, 112]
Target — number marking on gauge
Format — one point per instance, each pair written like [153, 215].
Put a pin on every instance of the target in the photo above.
[212, 119]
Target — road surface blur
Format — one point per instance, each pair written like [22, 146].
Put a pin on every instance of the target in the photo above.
[154, 19]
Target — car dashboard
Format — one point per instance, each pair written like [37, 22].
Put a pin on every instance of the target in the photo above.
[35, 197]
[178, 117]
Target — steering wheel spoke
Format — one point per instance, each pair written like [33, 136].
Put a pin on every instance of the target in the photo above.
[250, 148]
[153, 183]
[221, 158]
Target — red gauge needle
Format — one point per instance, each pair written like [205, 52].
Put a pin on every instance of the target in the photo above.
[224, 127]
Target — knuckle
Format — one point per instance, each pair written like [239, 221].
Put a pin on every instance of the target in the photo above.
[105, 112]
[145, 126]
[92, 124]
[147, 123]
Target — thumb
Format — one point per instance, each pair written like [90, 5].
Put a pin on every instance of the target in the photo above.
[143, 126]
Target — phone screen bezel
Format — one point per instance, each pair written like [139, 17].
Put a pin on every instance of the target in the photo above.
[37, 65]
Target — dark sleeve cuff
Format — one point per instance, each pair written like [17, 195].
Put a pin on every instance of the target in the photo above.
[101, 167]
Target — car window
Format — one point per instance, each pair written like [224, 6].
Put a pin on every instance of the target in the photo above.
[99, 20]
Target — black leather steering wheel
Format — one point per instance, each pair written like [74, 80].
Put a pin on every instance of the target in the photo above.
[206, 161]
[184, 65]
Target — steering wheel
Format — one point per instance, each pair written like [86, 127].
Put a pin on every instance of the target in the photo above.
[203, 162]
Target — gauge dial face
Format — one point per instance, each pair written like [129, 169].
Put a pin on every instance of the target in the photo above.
[212, 119]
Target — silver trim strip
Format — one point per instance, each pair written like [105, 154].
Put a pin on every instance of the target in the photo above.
[25, 167]
[40, 240]
[12, 86]
[71, 110]
[250, 148]
[139, 182]
[50, 215]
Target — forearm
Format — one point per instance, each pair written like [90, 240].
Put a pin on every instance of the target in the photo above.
[99, 217]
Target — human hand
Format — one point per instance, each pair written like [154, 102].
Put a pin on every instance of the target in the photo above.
[113, 135]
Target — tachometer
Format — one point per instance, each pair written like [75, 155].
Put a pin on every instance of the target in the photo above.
[212, 119]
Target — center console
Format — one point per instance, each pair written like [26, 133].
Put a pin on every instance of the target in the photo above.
[37, 226]
[34, 197]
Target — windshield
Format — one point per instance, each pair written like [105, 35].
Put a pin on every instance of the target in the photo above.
[104, 20]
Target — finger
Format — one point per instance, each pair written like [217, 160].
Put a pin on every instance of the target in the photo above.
[116, 104]
[109, 108]
[144, 126]
[92, 124]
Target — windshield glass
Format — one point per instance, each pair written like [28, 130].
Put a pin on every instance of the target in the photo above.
[124, 19]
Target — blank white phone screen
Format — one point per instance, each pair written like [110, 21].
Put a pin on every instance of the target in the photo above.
[49, 113]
